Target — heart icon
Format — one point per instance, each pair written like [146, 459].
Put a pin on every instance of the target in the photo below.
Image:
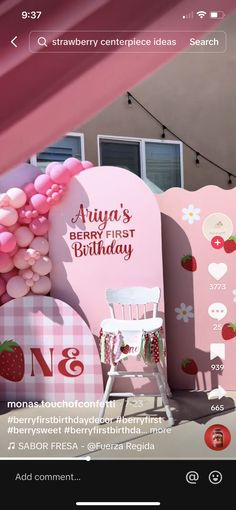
[217, 270]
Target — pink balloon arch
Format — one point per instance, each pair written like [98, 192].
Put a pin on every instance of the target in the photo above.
[24, 262]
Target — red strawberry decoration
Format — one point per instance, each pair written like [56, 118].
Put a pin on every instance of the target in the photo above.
[125, 349]
[230, 244]
[12, 364]
[229, 331]
[189, 262]
[189, 366]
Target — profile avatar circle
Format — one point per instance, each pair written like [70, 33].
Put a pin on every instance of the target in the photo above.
[217, 437]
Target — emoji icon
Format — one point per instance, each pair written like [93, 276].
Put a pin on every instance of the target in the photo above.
[215, 477]
[217, 311]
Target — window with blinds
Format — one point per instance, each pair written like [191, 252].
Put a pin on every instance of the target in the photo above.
[157, 162]
[65, 148]
[121, 153]
[163, 164]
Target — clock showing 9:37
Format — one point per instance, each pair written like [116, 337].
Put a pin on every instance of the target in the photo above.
[31, 14]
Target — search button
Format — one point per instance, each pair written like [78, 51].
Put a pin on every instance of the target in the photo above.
[42, 41]
[192, 477]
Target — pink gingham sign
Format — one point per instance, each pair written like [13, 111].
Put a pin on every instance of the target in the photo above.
[58, 358]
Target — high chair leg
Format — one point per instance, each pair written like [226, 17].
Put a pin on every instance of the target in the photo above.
[107, 391]
[164, 399]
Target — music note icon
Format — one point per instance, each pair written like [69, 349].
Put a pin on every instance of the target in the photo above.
[11, 446]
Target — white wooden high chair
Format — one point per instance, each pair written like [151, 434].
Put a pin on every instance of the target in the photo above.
[135, 301]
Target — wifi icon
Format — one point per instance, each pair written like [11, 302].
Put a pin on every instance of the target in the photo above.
[201, 14]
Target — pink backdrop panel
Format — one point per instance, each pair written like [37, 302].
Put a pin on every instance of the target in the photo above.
[111, 206]
[200, 292]
[61, 360]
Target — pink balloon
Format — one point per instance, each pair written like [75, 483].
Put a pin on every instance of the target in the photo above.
[27, 214]
[26, 273]
[10, 274]
[42, 183]
[13, 252]
[87, 164]
[8, 216]
[5, 298]
[4, 200]
[39, 202]
[42, 266]
[39, 226]
[20, 260]
[40, 244]
[29, 277]
[13, 228]
[2, 286]
[16, 287]
[7, 242]
[24, 236]
[6, 263]
[60, 174]
[42, 286]
[50, 166]
[17, 197]
[29, 189]
[74, 165]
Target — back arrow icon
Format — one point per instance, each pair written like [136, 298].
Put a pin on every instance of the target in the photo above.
[12, 41]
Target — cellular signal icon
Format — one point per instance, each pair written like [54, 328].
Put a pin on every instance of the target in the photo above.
[201, 14]
[190, 15]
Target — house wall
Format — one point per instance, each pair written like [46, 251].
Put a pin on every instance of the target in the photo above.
[195, 96]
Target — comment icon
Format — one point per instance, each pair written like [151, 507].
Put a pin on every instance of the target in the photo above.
[217, 311]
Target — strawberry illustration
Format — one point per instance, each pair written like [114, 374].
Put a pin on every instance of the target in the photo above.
[189, 262]
[125, 349]
[189, 366]
[229, 331]
[12, 365]
[230, 244]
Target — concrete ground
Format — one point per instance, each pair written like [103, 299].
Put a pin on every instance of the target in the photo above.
[135, 428]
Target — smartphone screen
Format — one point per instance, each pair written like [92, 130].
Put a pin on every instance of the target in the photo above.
[117, 252]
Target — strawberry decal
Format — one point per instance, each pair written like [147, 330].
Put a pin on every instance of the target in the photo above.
[189, 366]
[189, 262]
[229, 331]
[125, 349]
[12, 365]
[230, 244]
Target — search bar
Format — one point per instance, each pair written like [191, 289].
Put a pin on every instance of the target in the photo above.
[87, 41]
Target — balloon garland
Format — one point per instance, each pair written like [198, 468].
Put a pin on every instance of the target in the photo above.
[24, 262]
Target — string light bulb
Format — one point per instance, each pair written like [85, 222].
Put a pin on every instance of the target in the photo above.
[197, 158]
[229, 178]
[163, 132]
[129, 99]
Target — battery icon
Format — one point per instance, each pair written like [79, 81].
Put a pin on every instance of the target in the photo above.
[217, 14]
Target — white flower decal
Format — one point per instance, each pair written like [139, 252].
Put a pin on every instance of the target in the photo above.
[184, 312]
[234, 293]
[191, 214]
